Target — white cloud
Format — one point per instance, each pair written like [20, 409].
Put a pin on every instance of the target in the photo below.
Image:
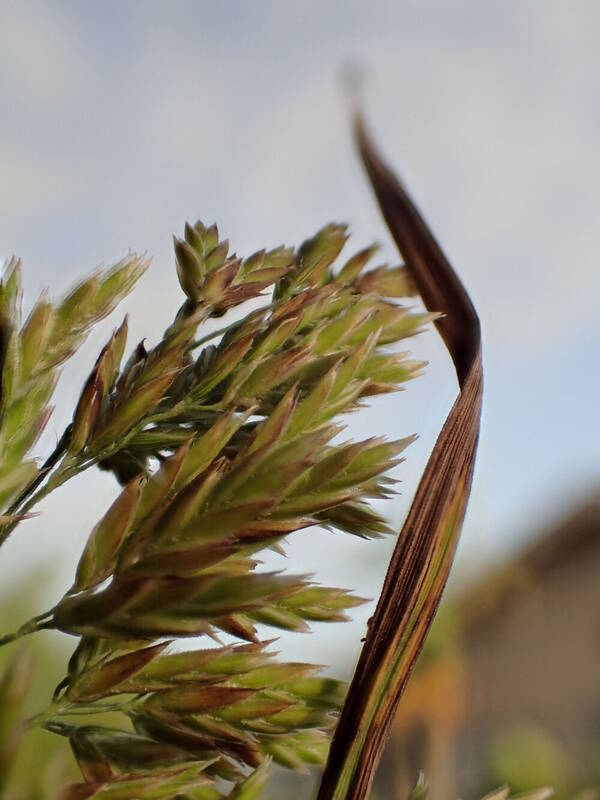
[114, 136]
[40, 57]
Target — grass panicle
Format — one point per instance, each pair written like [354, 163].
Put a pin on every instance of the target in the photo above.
[224, 445]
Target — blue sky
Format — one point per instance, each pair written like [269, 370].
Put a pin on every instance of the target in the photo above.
[120, 120]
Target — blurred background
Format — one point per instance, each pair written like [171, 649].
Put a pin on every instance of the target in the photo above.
[120, 120]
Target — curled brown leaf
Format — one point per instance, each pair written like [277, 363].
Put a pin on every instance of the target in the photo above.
[425, 548]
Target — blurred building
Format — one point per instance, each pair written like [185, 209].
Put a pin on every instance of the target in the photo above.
[509, 689]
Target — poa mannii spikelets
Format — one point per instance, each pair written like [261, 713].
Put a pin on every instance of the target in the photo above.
[223, 449]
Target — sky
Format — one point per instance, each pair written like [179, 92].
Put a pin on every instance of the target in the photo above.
[120, 120]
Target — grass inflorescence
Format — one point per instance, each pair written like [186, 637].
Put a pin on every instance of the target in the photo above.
[225, 444]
